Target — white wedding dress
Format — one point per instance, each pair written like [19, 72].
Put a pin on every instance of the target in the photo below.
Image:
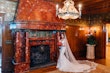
[68, 63]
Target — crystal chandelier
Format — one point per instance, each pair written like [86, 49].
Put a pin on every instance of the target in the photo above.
[68, 11]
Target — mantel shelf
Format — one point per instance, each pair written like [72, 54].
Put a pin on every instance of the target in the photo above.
[39, 26]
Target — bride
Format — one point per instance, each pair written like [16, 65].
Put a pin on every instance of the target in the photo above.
[67, 62]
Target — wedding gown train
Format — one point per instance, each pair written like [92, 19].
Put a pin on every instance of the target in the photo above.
[68, 63]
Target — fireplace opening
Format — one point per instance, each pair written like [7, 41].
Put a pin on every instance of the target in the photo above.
[39, 55]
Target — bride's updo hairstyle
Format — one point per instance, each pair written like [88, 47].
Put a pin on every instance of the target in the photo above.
[62, 35]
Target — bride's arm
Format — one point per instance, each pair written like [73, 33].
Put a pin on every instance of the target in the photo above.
[59, 43]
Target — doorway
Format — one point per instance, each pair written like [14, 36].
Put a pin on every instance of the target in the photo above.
[108, 41]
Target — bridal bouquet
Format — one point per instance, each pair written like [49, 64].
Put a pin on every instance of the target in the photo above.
[59, 44]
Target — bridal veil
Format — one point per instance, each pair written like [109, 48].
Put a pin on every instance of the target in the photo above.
[68, 63]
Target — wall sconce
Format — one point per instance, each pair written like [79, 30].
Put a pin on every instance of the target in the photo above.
[67, 27]
[81, 28]
[89, 32]
[94, 30]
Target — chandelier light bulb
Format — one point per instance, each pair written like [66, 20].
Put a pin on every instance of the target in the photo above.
[57, 9]
[80, 6]
[67, 4]
[57, 6]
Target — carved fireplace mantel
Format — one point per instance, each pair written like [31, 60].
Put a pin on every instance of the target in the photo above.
[39, 25]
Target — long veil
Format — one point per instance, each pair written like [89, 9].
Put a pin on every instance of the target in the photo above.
[68, 52]
[73, 64]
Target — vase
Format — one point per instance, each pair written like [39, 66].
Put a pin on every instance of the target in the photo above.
[90, 51]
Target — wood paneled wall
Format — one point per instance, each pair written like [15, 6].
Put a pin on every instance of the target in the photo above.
[77, 38]
[8, 50]
[100, 34]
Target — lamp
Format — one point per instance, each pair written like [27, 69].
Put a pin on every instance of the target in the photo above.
[68, 11]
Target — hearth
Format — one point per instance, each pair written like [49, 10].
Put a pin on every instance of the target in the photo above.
[39, 55]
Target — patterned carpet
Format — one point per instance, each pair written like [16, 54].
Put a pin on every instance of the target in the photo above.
[99, 69]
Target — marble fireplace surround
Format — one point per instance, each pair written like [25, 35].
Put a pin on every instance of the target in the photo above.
[23, 42]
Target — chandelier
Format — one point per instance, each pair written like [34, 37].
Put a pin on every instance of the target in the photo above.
[68, 11]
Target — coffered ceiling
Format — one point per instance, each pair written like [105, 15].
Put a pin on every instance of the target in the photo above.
[89, 6]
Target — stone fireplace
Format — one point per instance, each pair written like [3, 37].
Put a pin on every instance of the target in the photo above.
[34, 47]
[35, 34]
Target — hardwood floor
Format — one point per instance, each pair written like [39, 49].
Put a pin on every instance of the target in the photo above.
[108, 50]
[105, 62]
[43, 70]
